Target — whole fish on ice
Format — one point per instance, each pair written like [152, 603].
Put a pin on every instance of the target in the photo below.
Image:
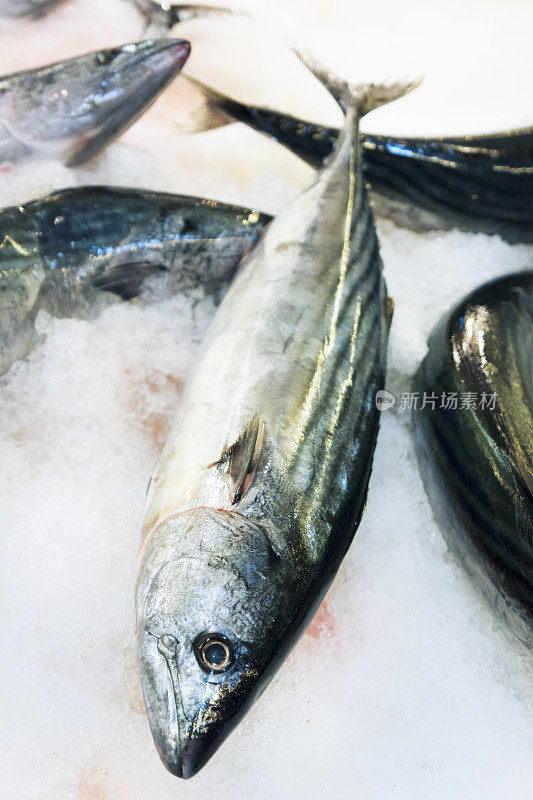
[67, 252]
[263, 480]
[72, 110]
[486, 177]
[476, 451]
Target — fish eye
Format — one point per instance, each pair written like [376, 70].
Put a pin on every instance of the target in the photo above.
[107, 56]
[214, 652]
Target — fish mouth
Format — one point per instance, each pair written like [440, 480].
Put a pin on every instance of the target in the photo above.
[152, 66]
[188, 760]
[194, 755]
[181, 748]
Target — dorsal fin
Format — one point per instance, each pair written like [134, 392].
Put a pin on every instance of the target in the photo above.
[126, 280]
[239, 460]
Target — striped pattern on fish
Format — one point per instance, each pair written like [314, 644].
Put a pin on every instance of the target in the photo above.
[488, 176]
[478, 461]
[263, 480]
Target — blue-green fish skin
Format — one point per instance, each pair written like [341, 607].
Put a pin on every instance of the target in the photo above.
[477, 460]
[481, 177]
[70, 111]
[62, 253]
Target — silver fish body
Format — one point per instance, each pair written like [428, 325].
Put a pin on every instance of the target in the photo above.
[263, 480]
[75, 250]
[72, 110]
[476, 453]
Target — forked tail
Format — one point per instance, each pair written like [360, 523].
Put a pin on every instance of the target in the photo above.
[218, 109]
[363, 97]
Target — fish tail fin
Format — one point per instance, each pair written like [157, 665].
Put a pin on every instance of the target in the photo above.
[363, 97]
[157, 26]
[161, 17]
[183, 12]
[216, 111]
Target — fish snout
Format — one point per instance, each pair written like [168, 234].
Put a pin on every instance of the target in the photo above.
[164, 54]
[194, 755]
[72, 110]
[188, 756]
[167, 688]
[185, 760]
[134, 81]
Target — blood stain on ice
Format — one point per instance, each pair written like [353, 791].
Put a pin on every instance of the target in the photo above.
[323, 624]
[161, 390]
[103, 777]
[91, 784]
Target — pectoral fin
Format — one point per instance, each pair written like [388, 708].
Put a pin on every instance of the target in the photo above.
[239, 460]
[126, 279]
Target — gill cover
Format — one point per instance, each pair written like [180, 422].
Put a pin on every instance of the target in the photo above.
[208, 600]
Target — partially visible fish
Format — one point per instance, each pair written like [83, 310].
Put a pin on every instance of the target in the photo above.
[66, 252]
[23, 8]
[72, 110]
[263, 480]
[489, 177]
[162, 15]
[476, 451]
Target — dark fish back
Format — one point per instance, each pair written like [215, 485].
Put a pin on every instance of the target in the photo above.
[475, 468]
[85, 232]
[75, 251]
[488, 176]
[343, 409]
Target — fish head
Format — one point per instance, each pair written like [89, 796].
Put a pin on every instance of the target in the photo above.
[208, 601]
[226, 233]
[71, 110]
